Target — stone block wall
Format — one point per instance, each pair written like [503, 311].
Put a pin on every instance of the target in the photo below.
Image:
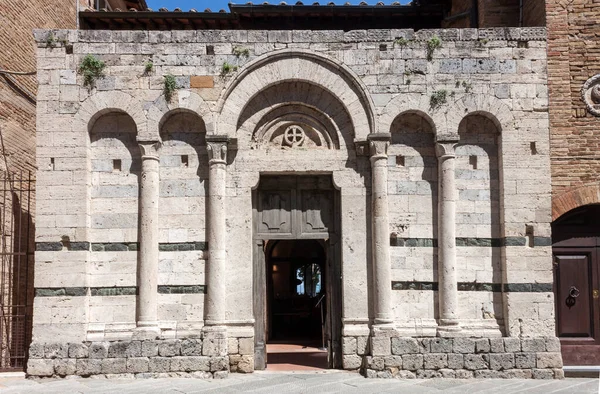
[483, 89]
[139, 358]
[461, 358]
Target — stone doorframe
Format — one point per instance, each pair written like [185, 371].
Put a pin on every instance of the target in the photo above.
[329, 230]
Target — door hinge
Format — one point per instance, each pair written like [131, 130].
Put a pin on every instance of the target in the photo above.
[595, 294]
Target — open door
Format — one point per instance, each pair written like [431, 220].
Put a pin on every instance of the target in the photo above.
[260, 306]
[333, 324]
[302, 212]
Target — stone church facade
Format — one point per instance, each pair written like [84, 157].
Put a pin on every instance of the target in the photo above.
[413, 177]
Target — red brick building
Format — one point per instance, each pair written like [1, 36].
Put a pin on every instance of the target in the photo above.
[18, 92]
[573, 62]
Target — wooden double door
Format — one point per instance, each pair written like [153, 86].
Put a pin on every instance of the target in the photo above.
[576, 253]
[296, 224]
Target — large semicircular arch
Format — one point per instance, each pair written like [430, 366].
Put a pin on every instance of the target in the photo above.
[290, 65]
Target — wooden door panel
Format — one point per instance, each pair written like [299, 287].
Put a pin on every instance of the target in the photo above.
[259, 306]
[316, 211]
[275, 212]
[573, 294]
[580, 354]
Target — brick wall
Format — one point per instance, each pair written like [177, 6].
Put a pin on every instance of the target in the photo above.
[17, 114]
[573, 57]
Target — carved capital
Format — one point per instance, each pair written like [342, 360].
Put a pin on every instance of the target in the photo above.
[378, 145]
[150, 149]
[216, 146]
[445, 150]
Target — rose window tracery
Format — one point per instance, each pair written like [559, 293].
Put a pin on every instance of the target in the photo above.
[294, 136]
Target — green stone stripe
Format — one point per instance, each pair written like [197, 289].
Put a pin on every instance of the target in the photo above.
[528, 287]
[415, 286]
[48, 246]
[481, 242]
[489, 242]
[182, 289]
[61, 291]
[182, 247]
[476, 286]
[118, 246]
[114, 291]
[115, 247]
[414, 242]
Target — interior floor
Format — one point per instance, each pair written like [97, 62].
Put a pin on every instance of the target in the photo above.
[296, 306]
[297, 356]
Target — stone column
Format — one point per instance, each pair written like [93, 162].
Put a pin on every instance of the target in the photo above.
[448, 291]
[148, 237]
[216, 232]
[380, 233]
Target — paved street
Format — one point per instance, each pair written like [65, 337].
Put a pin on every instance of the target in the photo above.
[314, 382]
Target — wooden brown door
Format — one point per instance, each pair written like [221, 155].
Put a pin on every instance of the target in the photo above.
[576, 253]
[576, 292]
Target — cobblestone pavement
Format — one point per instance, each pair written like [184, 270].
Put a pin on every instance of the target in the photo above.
[268, 382]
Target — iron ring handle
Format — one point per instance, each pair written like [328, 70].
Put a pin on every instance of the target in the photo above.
[573, 292]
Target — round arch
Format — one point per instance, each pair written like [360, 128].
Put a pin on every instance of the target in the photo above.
[296, 65]
[565, 202]
[479, 104]
[411, 103]
[101, 103]
[183, 101]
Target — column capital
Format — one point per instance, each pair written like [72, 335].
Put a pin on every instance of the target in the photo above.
[150, 149]
[217, 145]
[445, 149]
[378, 145]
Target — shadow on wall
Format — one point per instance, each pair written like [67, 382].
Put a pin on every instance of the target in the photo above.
[16, 269]
[413, 188]
[478, 205]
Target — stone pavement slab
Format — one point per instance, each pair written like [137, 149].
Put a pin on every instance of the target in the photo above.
[296, 382]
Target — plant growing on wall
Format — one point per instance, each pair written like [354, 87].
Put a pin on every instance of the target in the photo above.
[169, 87]
[91, 68]
[402, 42]
[438, 98]
[148, 67]
[240, 52]
[227, 68]
[468, 86]
[50, 40]
[432, 44]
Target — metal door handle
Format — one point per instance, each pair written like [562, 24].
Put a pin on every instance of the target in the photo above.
[573, 292]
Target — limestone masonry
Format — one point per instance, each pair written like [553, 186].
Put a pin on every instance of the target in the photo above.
[416, 164]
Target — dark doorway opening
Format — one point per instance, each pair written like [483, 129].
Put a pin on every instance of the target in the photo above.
[297, 300]
[296, 304]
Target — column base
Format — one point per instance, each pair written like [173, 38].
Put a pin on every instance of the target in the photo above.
[214, 341]
[383, 321]
[380, 328]
[448, 328]
[146, 330]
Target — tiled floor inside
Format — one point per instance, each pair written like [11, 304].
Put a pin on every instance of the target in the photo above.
[296, 356]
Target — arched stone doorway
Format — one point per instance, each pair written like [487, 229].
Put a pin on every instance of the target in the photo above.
[296, 232]
[576, 253]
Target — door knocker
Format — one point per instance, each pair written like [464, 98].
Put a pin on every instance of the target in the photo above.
[573, 294]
